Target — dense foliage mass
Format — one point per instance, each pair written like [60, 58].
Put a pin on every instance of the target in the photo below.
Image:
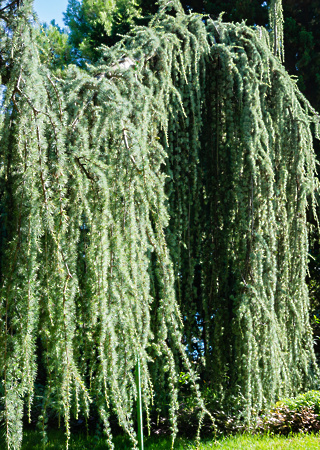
[94, 22]
[154, 199]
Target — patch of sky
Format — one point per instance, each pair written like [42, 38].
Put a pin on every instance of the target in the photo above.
[48, 11]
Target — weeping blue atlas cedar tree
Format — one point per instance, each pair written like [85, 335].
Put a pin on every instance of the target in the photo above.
[153, 203]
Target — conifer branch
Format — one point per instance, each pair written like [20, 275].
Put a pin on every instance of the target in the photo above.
[10, 5]
[83, 168]
[125, 139]
[57, 95]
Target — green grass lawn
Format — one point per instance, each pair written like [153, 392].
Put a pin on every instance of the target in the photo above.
[245, 442]
[265, 442]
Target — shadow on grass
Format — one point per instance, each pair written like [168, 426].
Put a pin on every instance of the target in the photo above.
[57, 441]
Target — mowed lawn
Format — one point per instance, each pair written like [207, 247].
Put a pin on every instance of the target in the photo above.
[265, 442]
[56, 441]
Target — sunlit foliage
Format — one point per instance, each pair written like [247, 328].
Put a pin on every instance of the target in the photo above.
[166, 185]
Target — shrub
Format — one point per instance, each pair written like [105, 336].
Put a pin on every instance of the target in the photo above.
[293, 415]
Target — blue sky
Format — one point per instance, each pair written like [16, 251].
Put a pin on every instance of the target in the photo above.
[48, 10]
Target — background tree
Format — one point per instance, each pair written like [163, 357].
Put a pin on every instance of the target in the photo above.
[55, 51]
[96, 22]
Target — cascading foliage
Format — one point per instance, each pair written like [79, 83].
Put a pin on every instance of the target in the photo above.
[238, 202]
[167, 186]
